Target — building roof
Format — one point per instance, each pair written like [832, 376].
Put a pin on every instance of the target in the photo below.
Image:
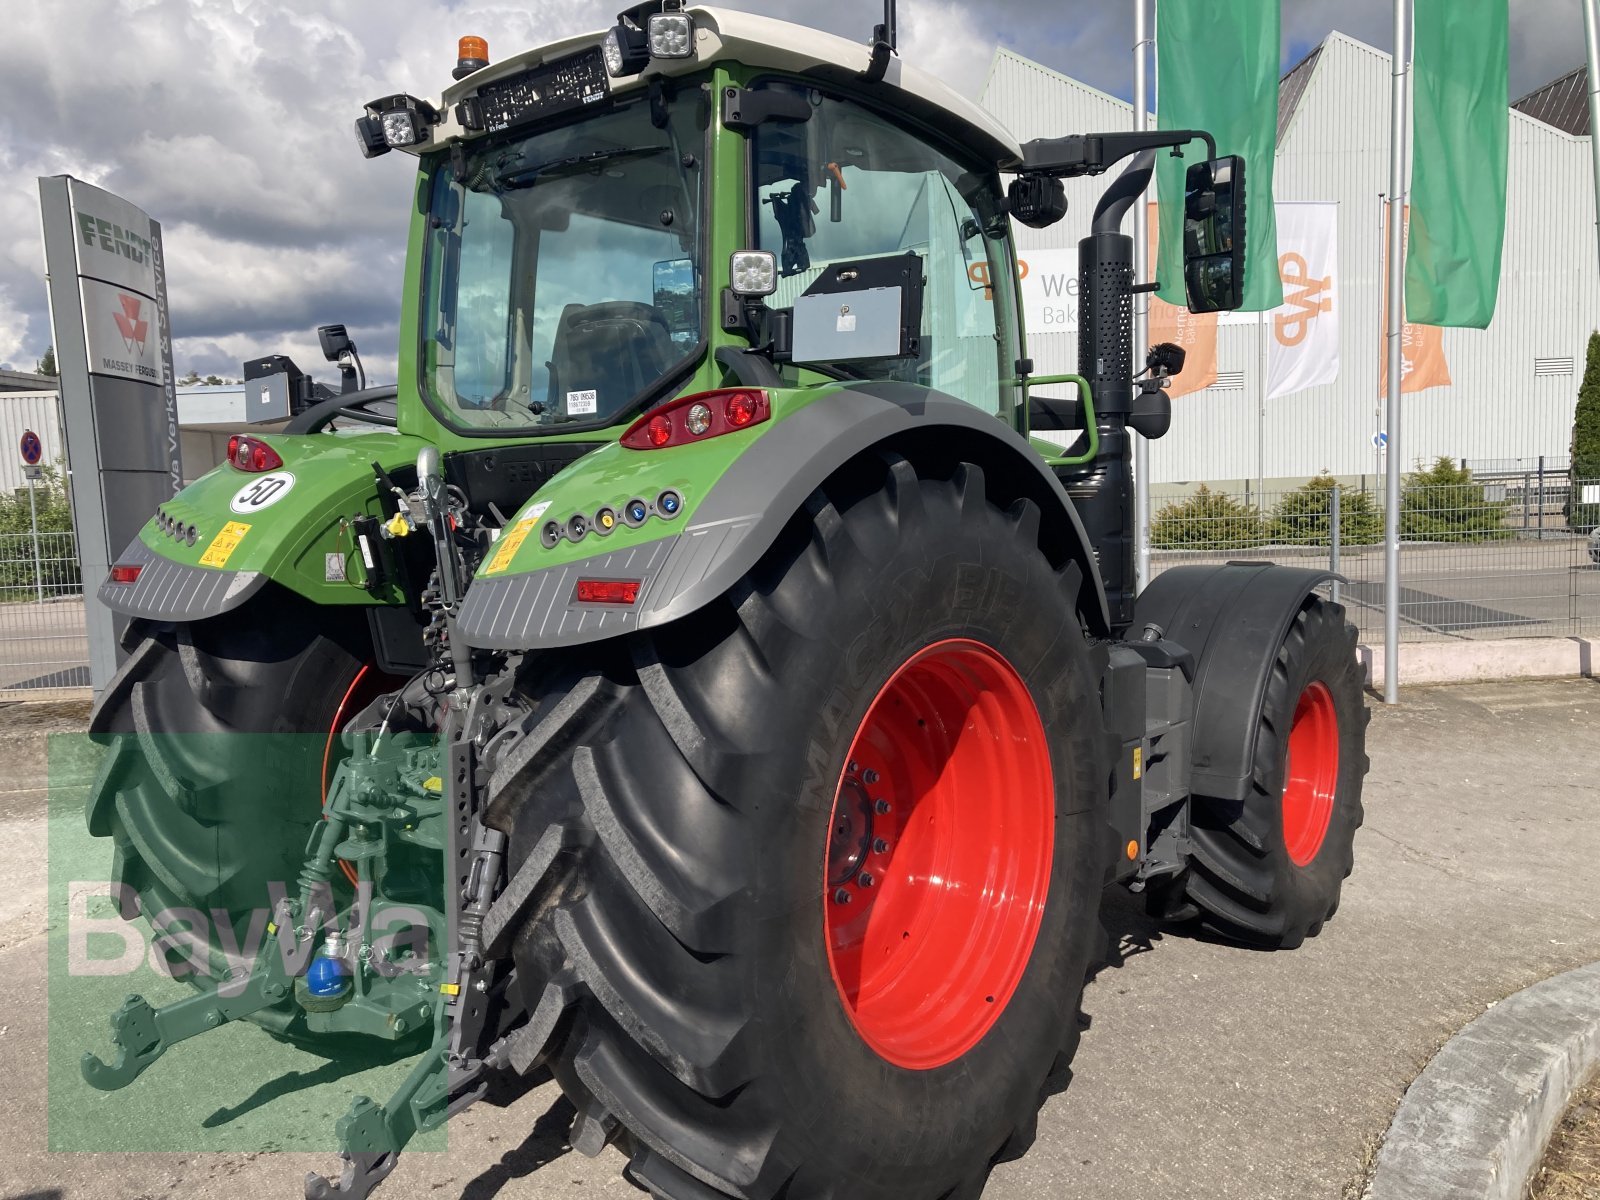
[27, 381]
[1292, 86]
[1562, 102]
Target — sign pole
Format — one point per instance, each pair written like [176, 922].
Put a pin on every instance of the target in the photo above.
[1591, 34]
[1142, 44]
[1394, 333]
[33, 521]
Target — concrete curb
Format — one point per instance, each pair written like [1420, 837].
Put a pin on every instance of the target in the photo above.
[1474, 1124]
[1473, 661]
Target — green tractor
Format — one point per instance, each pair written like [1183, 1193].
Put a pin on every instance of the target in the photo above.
[693, 682]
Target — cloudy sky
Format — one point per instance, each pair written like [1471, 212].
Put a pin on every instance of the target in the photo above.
[230, 122]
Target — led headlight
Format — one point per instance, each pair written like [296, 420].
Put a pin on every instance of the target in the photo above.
[400, 128]
[671, 35]
[753, 272]
[625, 50]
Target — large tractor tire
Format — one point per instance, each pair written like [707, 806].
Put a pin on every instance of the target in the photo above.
[217, 736]
[1269, 871]
[822, 864]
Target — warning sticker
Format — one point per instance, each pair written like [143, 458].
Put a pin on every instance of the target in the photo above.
[1138, 761]
[582, 404]
[224, 544]
[510, 542]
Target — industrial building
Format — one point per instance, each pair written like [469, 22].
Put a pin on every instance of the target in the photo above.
[1512, 388]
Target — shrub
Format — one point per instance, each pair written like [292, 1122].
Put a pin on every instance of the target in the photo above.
[1444, 504]
[59, 564]
[1586, 440]
[1304, 516]
[1206, 520]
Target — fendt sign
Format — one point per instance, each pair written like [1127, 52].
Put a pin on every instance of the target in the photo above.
[108, 303]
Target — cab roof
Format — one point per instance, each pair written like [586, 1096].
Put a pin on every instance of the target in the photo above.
[762, 42]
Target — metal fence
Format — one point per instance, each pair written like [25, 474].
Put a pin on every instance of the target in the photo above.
[44, 647]
[1479, 558]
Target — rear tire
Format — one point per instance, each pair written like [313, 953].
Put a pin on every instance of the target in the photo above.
[1269, 871]
[215, 734]
[684, 793]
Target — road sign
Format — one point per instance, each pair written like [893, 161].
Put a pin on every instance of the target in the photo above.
[32, 448]
[1380, 440]
[32, 471]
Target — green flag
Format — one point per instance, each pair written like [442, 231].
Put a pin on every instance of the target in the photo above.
[1458, 174]
[1217, 70]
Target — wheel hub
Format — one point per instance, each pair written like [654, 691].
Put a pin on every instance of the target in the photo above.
[1310, 773]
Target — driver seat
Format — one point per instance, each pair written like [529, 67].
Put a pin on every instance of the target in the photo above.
[616, 348]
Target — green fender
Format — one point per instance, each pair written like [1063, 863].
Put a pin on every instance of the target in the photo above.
[737, 492]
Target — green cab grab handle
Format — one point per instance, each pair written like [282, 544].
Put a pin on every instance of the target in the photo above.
[1091, 426]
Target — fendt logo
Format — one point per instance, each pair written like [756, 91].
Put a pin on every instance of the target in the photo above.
[1304, 296]
[134, 331]
[113, 238]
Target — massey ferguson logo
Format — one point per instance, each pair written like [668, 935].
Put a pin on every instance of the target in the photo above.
[133, 330]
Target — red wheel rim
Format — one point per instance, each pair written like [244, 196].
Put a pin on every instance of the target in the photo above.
[1311, 774]
[938, 860]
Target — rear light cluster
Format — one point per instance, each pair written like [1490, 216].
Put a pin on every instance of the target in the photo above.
[126, 572]
[252, 454]
[695, 418]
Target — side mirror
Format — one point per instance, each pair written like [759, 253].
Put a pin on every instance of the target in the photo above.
[1213, 234]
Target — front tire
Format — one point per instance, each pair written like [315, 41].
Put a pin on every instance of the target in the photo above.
[1269, 871]
[707, 994]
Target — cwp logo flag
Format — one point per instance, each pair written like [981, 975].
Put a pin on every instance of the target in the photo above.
[1305, 328]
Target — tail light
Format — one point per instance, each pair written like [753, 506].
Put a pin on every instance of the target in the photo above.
[252, 454]
[607, 591]
[697, 417]
[126, 572]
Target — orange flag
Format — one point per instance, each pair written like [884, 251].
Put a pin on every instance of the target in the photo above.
[1422, 361]
[1195, 332]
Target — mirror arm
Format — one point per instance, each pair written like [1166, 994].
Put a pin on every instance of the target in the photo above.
[1095, 153]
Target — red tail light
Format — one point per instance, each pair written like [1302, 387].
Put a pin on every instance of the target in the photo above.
[695, 418]
[126, 573]
[607, 591]
[251, 454]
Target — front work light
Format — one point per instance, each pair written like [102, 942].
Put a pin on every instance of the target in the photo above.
[625, 49]
[400, 128]
[753, 272]
[671, 35]
[395, 121]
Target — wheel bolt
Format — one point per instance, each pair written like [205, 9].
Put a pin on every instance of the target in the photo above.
[865, 879]
[851, 768]
[842, 896]
[882, 807]
[869, 776]
[880, 846]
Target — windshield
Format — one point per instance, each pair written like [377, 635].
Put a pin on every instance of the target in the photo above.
[564, 270]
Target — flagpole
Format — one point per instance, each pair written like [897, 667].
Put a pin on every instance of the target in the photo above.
[1591, 33]
[1141, 300]
[1394, 333]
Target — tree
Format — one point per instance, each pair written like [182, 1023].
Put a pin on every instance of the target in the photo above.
[1206, 520]
[191, 379]
[47, 364]
[1445, 504]
[1586, 441]
[1304, 517]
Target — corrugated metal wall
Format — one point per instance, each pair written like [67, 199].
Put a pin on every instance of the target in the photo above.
[1502, 405]
[40, 412]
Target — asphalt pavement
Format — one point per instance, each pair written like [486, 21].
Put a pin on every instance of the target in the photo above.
[1208, 1071]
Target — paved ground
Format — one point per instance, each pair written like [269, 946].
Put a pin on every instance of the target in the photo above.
[1208, 1071]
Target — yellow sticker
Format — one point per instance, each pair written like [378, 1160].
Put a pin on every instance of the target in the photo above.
[450, 989]
[509, 543]
[224, 544]
[1138, 761]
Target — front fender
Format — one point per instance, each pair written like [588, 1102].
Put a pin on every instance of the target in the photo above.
[289, 540]
[517, 602]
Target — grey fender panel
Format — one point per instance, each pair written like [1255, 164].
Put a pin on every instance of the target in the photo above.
[1232, 617]
[172, 591]
[740, 517]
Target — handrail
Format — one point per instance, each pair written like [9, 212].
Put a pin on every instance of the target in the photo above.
[1092, 427]
[319, 416]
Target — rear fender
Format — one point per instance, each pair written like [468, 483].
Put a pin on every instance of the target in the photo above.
[1232, 617]
[517, 602]
[298, 538]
